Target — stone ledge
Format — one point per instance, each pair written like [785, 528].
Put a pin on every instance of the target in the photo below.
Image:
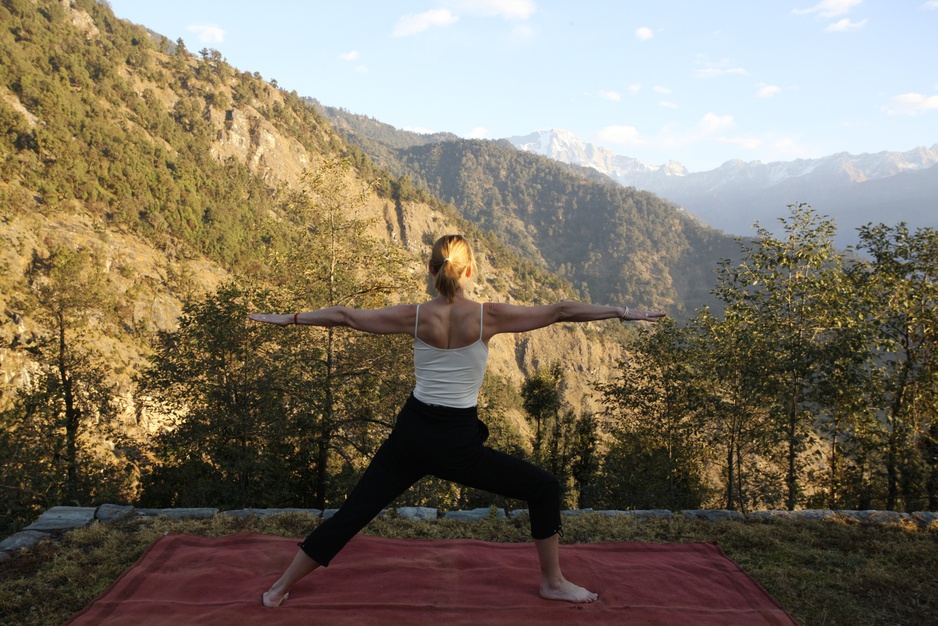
[59, 519]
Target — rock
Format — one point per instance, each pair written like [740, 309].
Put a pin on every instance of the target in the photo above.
[417, 513]
[572, 512]
[925, 517]
[716, 515]
[329, 513]
[108, 513]
[473, 515]
[193, 513]
[770, 514]
[22, 539]
[813, 514]
[269, 512]
[64, 518]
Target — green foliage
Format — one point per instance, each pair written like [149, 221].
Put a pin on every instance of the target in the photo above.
[658, 455]
[48, 436]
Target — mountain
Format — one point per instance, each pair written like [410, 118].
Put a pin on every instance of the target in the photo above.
[614, 244]
[853, 189]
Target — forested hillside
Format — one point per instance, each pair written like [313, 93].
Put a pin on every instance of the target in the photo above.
[614, 244]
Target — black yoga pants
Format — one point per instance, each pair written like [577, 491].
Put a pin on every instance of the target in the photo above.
[447, 443]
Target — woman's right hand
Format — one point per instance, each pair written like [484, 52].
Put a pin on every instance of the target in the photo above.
[280, 319]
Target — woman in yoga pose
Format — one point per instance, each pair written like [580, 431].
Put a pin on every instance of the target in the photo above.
[438, 431]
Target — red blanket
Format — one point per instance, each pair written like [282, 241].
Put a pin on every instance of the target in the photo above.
[186, 579]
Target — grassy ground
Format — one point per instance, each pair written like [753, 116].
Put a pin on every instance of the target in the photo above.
[823, 572]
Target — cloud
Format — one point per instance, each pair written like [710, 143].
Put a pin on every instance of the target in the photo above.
[931, 4]
[614, 96]
[829, 8]
[662, 90]
[715, 69]
[207, 33]
[479, 132]
[842, 26]
[911, 104]
[715, 72]
[506, 9]
[644, 33]
[621, 134]
[767, 91]
[711, 122]
[668, 105]
[634, 88]
[413, 24]
[349, 56]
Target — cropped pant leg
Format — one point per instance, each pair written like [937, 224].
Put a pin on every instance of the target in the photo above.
[381, 483]
[515, 478]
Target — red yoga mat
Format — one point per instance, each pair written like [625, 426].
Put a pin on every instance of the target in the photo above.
[188, 579]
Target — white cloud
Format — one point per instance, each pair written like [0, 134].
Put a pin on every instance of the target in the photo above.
[207, 33]
[715, 69]
[479, 132]
[931, 4]
[711, 122]
[767, 91]
[662, 90]
[829, 8]
[614, 96]
[644, 33]
[361, 69]
[507, 9]
[715, 72]
[911, 104]
[349, 56]
[634, 88]
[413, 24]
[621, 134]
[842, 26]
[668, 105]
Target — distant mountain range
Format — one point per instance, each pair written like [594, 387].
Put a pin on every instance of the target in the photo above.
[885, 187]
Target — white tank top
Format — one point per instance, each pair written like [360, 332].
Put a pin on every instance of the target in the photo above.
[449, 377]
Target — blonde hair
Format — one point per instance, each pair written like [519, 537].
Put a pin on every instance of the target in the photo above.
[449, 260]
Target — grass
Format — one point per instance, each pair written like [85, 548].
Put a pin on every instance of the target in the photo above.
[823, 572]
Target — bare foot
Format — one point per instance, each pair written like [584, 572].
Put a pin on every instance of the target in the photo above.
[567, 592]
[271, 600]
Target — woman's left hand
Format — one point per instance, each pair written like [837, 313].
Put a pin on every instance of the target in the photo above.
[643, 316]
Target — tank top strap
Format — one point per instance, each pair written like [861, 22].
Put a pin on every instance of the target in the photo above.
[416, 321]
[481, 320]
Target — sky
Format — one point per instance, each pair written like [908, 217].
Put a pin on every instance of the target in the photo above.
[700, 82]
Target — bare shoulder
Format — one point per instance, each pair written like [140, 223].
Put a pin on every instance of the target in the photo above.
[501, 317]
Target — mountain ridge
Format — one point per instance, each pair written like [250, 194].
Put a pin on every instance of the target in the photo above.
[736, 191]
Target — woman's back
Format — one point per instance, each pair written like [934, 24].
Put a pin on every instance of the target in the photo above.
[449, 325]
[449, 354]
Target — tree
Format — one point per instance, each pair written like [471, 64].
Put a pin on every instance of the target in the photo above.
[55, 433]
[899, 296]
[790, 291]
[344, 382]
[230, 440]
[655, 406]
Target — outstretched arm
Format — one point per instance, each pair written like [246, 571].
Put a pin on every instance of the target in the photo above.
[508, 318]
[387, 321]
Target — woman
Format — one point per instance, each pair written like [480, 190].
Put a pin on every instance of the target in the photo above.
[438, 431]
